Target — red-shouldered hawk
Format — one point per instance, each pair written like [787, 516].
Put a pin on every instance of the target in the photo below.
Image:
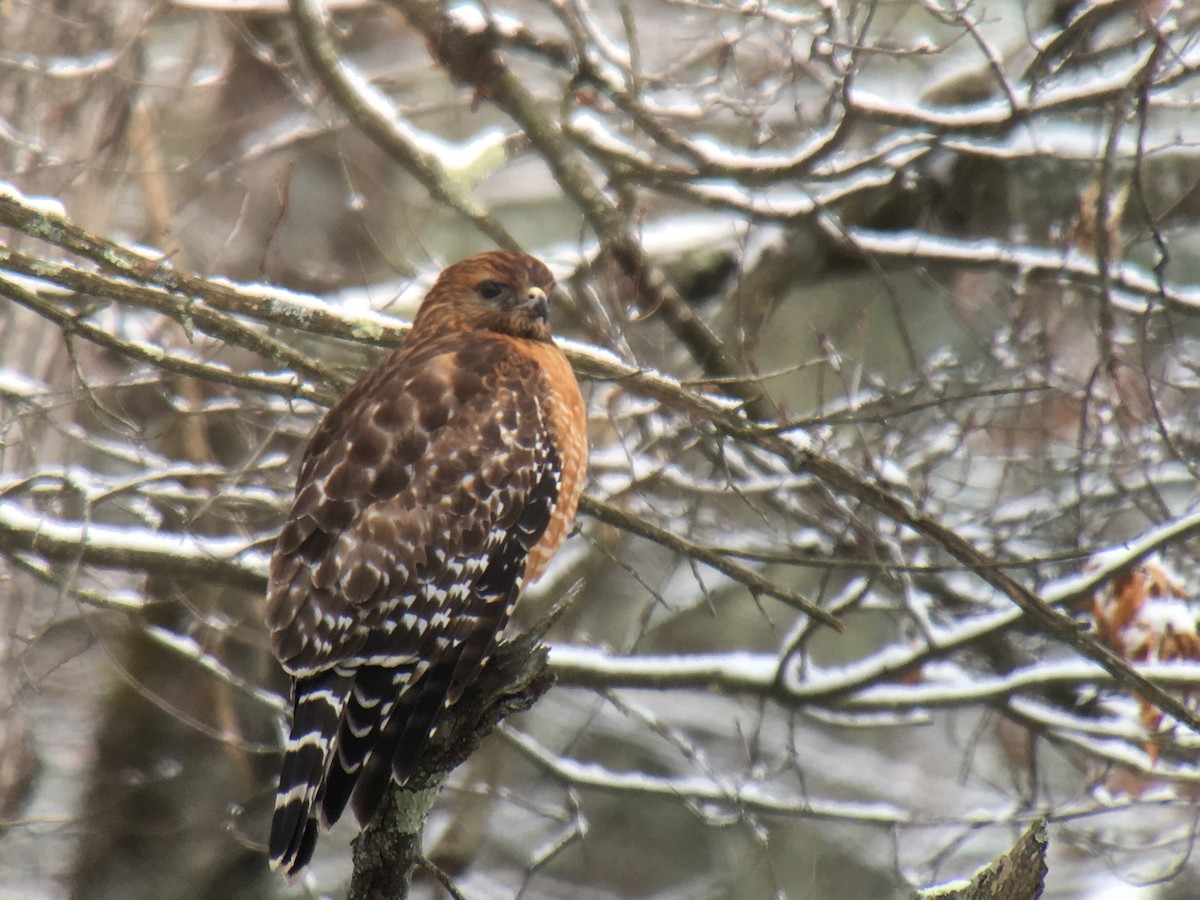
[429, 493]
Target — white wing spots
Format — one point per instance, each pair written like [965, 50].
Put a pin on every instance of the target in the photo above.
[388, 660]
[328, 621]
[333, 698]
[296, 792]
[311, 739]
[323, 646]
[365, 700]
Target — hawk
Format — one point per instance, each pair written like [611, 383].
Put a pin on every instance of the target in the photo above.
[429, 494]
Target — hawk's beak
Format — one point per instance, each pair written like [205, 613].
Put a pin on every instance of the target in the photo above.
[536, 303]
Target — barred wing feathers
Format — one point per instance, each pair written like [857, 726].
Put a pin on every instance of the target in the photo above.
[420, 498]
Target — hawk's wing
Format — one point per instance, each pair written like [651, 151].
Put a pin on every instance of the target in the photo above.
[419, 500]
[410, 487]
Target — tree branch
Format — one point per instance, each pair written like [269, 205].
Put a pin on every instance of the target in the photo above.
[1019, 874]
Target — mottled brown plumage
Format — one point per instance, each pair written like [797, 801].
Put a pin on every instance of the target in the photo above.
[429, 493]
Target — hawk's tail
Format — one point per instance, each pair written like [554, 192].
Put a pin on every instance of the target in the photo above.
[317, 711]
[368, 711]
[402, 741]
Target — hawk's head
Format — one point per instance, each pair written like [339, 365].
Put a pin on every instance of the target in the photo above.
[499, 291]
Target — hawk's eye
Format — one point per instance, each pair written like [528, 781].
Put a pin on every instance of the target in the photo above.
[491, 290]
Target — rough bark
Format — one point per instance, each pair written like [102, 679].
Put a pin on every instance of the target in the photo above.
[1019, 874]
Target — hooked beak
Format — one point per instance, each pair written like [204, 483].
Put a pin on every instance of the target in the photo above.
[536, 303]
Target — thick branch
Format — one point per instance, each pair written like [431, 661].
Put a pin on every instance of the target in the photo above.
[1019, 874]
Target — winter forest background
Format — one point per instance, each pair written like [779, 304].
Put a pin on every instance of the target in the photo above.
[891, 308]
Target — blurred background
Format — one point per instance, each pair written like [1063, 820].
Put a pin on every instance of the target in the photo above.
[949, 246]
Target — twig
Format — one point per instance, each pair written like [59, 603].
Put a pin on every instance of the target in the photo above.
[756, 583]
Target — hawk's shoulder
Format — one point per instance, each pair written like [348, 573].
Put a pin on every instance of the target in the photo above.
[417, 473]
